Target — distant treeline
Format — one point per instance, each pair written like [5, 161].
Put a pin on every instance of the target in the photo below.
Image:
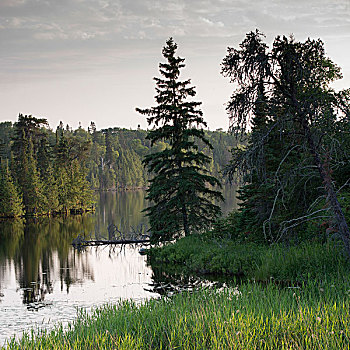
[45, 171]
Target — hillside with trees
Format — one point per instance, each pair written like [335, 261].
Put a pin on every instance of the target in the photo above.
[45, 171]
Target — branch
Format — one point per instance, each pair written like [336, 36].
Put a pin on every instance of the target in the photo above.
[346, 182]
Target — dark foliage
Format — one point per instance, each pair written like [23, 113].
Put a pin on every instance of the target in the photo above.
[299, 136]
[181, 191]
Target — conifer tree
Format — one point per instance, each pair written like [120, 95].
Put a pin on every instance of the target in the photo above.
[181, 191]
[31, 184]
[10, 200]
[25, 147]
[305, 110]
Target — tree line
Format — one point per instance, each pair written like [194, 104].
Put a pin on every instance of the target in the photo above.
[42, 172]
[45, 171]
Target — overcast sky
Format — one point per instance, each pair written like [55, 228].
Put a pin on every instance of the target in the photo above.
[84, 60]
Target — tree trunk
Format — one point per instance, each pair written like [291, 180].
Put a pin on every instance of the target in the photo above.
[326, 179]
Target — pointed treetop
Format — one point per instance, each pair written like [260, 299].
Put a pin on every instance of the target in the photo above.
[170, 48]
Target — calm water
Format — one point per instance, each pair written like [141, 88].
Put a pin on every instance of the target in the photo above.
[43, 280]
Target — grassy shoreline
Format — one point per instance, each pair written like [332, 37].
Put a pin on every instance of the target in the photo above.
[252, 316]
[205, 254]
[310, 312]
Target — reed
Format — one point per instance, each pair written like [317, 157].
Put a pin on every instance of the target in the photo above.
[201, 254]
[250, 316]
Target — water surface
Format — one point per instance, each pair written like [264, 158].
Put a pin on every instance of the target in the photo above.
[43, 280]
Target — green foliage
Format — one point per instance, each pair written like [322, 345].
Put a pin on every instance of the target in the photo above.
[250, 316]
[181, 191]
[121, 166]
[47, 172]
[198, 254]
[6, 133]
[210, 254]
[10, 201]
[126, 151]
[72, 151]
[298, 146]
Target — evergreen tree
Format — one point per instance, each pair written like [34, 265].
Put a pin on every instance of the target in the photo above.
[181, 191]
[302, 112]
[26, 141]
[71, 151]
[51, 191]
[6, 133]
[10, 200]
[31, 185]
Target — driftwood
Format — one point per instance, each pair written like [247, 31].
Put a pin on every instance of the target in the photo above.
[79, 243]
[115, 236]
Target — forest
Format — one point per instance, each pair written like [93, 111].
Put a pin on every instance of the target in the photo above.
[46, 171]
[284, 254]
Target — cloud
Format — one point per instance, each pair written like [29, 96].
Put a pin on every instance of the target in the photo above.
[13, 3]
[91, 28]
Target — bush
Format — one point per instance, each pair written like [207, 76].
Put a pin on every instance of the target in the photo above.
[207, 254]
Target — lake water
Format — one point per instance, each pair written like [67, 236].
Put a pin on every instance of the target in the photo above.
[43, 279]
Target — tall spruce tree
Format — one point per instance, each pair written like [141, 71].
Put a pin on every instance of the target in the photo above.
[26, 141]
[181, 192]
[10, 200]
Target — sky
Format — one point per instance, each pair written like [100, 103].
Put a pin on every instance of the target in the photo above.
[79, 61]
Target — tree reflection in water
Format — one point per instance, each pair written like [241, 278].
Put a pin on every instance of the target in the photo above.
[40, 250]
[39, 267]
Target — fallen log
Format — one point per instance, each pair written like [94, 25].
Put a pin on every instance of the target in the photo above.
[102, 242]
[80, 241]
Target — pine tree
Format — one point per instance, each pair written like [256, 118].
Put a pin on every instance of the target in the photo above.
[10, 200]
[26, 142]
[181, 191]
[303, 108]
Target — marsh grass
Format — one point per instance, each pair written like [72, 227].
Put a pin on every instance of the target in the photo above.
[259, 313]
[202, 254]
[252, 316]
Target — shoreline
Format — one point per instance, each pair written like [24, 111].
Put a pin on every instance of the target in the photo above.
[249, 316]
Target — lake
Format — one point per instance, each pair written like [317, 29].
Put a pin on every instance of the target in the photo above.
[44, 280]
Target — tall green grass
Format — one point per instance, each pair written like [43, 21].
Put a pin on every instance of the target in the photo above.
[309, 310]
[252, 316]
[203, 254]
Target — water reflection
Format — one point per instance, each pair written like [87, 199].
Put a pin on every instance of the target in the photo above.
[170, 280]
[43, 279]
[39, 250]
[123, 209]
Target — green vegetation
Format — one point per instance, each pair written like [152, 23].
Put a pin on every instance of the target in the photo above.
[283, 252]
[116, 156]
[10, 200]
[181, 192]
[42, 172]
[296, 163]
[252, 316]
[208, 254]
[60, 168]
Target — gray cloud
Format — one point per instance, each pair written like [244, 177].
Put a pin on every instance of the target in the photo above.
[109, 21]
[42, 40]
